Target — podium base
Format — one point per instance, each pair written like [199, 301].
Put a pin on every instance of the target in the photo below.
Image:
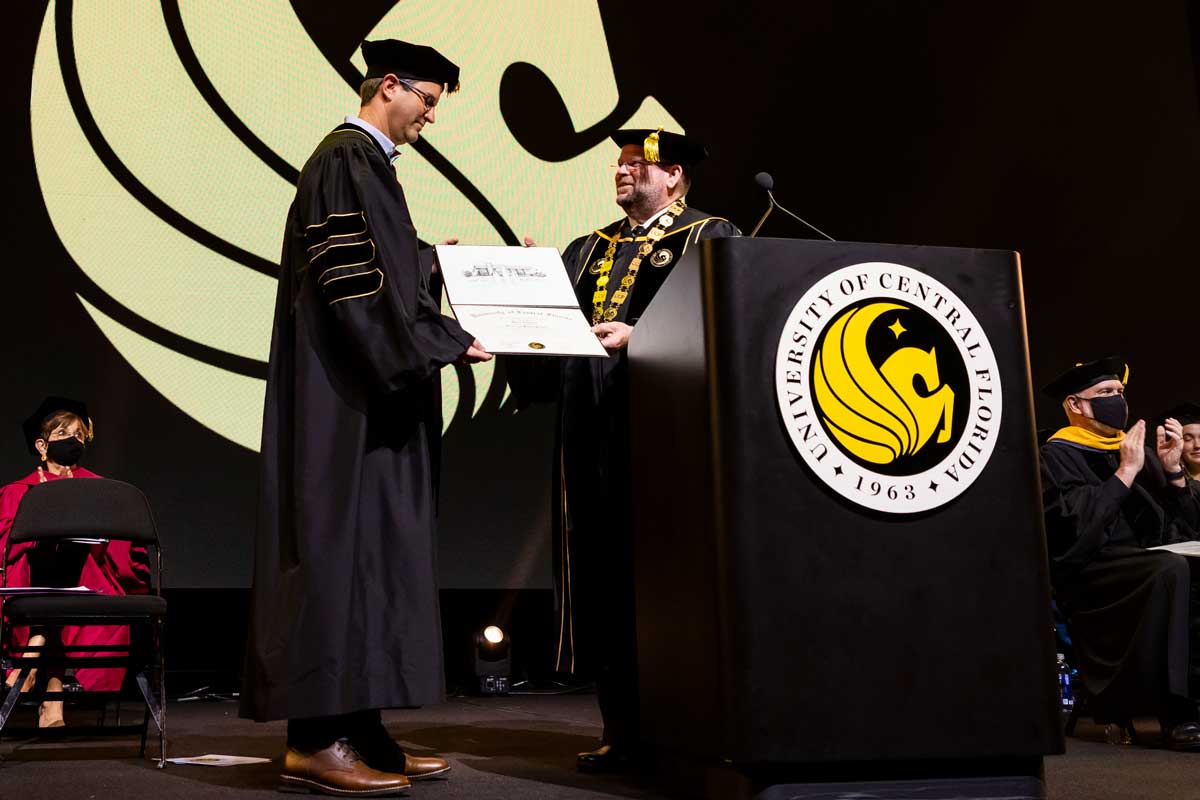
[977, 779]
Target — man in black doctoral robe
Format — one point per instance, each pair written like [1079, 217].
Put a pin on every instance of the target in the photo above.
[616, 271]
[344, 618]
[1108, 496]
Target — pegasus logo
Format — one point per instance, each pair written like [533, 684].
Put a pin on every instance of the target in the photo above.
[888, 387]
[168, 136]
[876, 413]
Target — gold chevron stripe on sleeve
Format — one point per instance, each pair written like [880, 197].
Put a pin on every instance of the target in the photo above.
[351, 287]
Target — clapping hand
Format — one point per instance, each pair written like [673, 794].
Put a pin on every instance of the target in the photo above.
[1133, 453]
[1169, 444]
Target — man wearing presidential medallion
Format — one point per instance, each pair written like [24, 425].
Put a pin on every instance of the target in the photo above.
[616, 271]
[344, 607]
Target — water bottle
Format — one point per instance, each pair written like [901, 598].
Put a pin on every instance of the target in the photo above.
[1065, 696]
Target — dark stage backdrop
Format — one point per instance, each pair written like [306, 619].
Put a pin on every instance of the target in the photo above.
[153, 147]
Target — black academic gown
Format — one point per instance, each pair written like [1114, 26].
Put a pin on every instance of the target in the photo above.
[344, 610]
[1126, 606]
[594, 547]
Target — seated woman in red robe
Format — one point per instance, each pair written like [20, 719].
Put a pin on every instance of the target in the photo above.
[59, 433]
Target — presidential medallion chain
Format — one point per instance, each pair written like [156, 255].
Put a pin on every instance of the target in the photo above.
[599, 312]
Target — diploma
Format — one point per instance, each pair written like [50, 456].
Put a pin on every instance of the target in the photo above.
[531, 330]
[516, 300]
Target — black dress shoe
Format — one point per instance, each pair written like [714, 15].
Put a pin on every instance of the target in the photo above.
[606, 760]
[1184, 736]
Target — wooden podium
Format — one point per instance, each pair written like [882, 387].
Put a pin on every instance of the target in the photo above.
[811, 613]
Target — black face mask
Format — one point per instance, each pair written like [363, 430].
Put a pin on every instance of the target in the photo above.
[65, 451]
[1111, 411]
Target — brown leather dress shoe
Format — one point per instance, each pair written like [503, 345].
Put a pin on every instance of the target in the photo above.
[337, 770]
[420, 768]
[382, 752]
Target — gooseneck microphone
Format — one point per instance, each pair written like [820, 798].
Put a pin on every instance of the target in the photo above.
[767, 183]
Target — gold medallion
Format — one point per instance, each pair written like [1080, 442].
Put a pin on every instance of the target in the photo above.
[602, 308]
[536, 346]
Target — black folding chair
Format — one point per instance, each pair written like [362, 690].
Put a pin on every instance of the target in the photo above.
[81, 509]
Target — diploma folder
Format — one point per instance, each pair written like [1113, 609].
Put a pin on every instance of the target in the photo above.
[516, 300]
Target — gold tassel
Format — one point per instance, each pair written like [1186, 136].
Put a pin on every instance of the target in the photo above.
[650, 148]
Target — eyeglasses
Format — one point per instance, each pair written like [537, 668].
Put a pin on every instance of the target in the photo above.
[637, 165]
[429, 100]
[633, 165]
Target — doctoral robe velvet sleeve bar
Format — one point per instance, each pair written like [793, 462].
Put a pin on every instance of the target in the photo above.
[344, 612]
[362, 248]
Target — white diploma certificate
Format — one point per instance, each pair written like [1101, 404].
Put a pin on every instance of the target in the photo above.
[1189, 549]
[516, 300]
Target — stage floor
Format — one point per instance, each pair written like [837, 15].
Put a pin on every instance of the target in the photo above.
[502, 748]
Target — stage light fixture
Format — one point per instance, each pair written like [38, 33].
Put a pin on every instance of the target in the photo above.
[492, 663]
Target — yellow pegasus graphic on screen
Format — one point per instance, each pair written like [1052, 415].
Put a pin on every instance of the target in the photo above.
[876, 413]
[190, 254]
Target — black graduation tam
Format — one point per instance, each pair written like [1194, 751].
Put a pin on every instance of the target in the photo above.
[416, 61]
[52, 405]
[1081, 376]
[660, 145]
[1186, 413]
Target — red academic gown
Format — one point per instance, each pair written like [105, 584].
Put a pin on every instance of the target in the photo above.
[113, 568]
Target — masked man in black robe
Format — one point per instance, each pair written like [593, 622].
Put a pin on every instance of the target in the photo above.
[616, 271]
[1109, 496]
[344, 618]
